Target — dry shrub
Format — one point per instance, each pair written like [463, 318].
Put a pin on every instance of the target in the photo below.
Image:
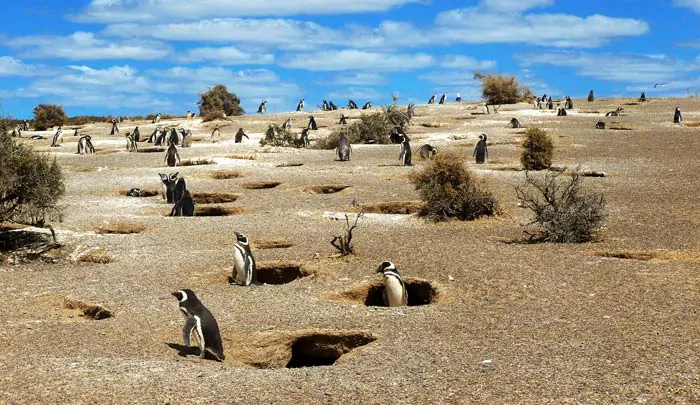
[501, 89]
[226, 174]
[538, 148]
[98, 256]
[121, 227]
[564, 212]
[450, 190]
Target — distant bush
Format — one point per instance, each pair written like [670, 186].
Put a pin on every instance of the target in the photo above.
[538, 149]
[278, 136]
[370, 128]
[564, 212]
[450, 190]
[30, 184]
[48, 115]
[501, 89]
[219, 102]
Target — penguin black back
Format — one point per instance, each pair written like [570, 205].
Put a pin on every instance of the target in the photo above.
[201, 322]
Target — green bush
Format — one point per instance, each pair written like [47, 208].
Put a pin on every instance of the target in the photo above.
[278, 136]
[48, 115]
[450, 190]
[370, 128]
[30, 184]
[538, 149]
[218, 102]
[564, 212]
[501, 89]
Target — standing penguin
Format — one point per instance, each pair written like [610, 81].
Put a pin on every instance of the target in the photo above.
[677, 117]
[561, 112]
[343, 120]
[115, 128]
[395, 294]
[343, 150]
[459, 98]
[300, 106]
[324, 105]
[569, 104]
[130, 143]
[186, 138]
[352, 105]
[57, 137]
[432, 99]
[332, 106]
[215, 135]
[85, 145]
[550, 103]
[312, 123]
[239, 136]
[243, 261]
[136, 135]
[405, 155]
[171, 156]
[591, 97]
[481, 152]
[642, 97]
[200, 323]
[367, 106]
[263, 107]
[443, 98]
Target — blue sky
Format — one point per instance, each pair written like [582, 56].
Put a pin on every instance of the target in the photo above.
[127, 57]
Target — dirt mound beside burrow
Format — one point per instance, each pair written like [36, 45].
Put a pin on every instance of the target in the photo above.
[88, 311]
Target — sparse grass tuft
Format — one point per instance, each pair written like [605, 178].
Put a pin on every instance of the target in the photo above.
[97, 256]
[226, 174]
[197, 162]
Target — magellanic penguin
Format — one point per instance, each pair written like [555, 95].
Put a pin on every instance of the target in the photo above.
[481, 151]
[395, 294]
[432, 99]
[405, 155]
[677, 117]
[243, 261]
[201, 324]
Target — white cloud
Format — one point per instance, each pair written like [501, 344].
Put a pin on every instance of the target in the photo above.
[624, 68]
[86, 46]
[281, 33]
[356, 78]
[475, 26]
[466, 62]
[157, 10]
[10, 66]
[691, 4]
[515, 5]
[351, 59]
[225, 56]
[450, 78]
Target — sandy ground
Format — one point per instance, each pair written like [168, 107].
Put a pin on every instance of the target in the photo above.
[511, 322]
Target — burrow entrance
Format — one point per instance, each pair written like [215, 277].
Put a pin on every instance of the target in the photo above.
[214, 198]
[325, 188]
[217, 211]
[260, 185]
[293, 349]
[86, 310]
[393, 207]
[140, 193]
[420, 292]
[279, 272]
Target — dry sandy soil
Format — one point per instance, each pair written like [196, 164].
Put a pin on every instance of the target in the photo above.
[614, 321]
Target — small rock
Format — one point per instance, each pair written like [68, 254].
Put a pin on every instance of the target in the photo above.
[450, 278]
[487, 362]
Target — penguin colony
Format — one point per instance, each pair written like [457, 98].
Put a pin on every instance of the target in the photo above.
[200, 325]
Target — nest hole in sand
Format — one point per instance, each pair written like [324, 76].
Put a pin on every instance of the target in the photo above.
[324, 349]
[214, 198]
[226, 174]
[151, 150]
[197, 162]
[420, 292]
[260, 185]
[272, 244]
[217, 211]
[325, 188]
[393, 207]
[88, 311]
[279, 272]
[292, 164]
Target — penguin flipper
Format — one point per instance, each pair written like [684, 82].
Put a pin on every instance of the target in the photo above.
[190, 323]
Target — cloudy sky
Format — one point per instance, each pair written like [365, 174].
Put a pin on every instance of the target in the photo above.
[142, 56]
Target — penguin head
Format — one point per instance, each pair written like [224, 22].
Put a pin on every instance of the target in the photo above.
[386, 266]
[184, 295]
[482, 137]
[241, 238]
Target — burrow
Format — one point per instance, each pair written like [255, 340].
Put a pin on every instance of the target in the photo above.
[272, 244]
[419, 291]
[86, 310]
[260, 185]
[141, 193]
[325, 188]
[288, 349]
[217, 211]
[214, 198]
[279, 272]
[393, 207]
